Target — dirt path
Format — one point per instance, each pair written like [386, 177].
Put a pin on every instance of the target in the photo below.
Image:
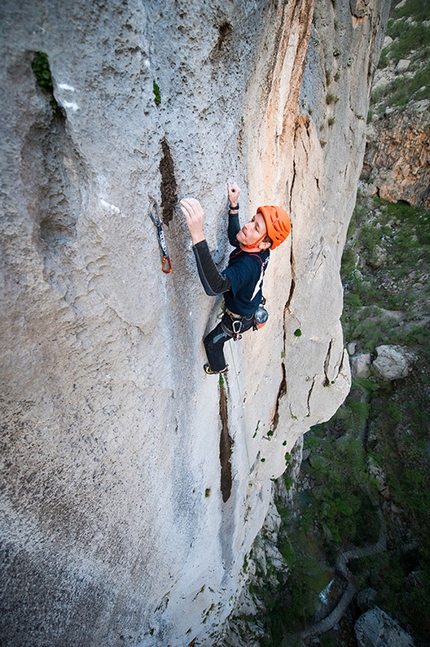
[348, 595]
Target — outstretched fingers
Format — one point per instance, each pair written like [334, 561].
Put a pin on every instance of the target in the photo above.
[194, 215]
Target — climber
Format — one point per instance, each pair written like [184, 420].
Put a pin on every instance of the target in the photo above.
[242, 280]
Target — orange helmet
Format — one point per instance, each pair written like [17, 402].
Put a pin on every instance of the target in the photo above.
[277, 223]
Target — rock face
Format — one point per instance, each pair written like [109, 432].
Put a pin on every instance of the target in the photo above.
[117, 528]
[375, 628]
[397, 159]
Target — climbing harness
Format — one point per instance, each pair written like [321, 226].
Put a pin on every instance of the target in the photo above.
[237, 324]
[154, 214]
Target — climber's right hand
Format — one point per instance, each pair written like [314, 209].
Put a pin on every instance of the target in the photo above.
[194, 216]
[233, 194]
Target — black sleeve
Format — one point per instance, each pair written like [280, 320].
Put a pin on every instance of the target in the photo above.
[233, 227]
[211, 279]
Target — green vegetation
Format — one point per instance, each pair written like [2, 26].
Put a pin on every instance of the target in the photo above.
[402, 90]
[331, 99]
[342, 502]
[42, 74]
[411, 40]
[157, 93]
[385, 266]
[385, 270]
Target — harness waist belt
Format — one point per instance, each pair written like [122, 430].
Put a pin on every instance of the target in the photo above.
[233, 315]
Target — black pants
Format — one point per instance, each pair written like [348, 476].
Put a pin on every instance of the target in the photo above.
[215, 340]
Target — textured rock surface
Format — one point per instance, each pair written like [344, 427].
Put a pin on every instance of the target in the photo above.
[392, 362]
[114, 527]
[397, 161]
[360, 365]
[375, 628]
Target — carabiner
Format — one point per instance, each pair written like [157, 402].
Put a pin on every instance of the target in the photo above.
[236, 326]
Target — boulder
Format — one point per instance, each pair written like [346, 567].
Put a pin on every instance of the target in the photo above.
[392, 362]
[351, 348]
[403, 65]
[360, 365]
[387, 41]
[375, 628]
[366, 599]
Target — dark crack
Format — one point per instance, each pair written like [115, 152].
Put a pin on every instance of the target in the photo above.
[169, 188]
[281, 392]
[225, 447]
[309, 396]
[290, 296]
[327, 363]
[293, 180]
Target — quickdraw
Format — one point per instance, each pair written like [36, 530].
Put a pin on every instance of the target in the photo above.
[154, 214]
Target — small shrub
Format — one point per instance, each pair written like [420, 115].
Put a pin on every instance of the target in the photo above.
[157, 93]
[331, 99]
[42, 74]
[289, 482]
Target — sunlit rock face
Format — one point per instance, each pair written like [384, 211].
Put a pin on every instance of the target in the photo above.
[123, 521]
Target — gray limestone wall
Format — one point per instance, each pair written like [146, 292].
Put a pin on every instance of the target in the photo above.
[115, 528]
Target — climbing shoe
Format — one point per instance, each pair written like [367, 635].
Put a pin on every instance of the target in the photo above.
[207, 369]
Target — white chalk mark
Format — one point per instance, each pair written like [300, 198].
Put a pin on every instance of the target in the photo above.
[73, 106]
[111, 207]
[64, 86]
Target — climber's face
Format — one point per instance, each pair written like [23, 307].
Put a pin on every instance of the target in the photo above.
[253, 232]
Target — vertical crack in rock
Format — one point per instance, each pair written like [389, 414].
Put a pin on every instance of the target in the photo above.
[309, 396]
[169, 188]
[327, 363]
[292, 288]
[281, 392]
[225, 447]
[56, 182]
[342, 357]
[292, 182]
